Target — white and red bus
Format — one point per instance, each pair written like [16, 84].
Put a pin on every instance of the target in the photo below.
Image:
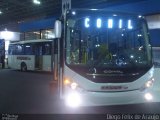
[30, 55]
[104, 58]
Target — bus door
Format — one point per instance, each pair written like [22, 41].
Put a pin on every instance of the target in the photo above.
[38, 56]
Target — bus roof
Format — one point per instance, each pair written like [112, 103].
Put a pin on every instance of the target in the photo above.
[31, 41]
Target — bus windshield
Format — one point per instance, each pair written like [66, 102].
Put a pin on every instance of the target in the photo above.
[109, 40]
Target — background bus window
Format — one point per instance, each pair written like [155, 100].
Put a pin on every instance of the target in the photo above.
[28, 49]
[47, 49]
[37, 48]
[19, 50]
[12, 50]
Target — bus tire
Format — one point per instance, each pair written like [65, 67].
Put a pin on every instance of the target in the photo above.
[23, 67]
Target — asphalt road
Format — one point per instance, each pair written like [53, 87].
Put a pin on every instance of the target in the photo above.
[32, 93]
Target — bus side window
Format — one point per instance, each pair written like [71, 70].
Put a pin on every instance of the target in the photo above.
[12, 50]
[37, 48]
[47, 49]
[19, 49]
[28, 49]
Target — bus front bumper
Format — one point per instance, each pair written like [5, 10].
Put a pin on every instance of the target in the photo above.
[88, 98]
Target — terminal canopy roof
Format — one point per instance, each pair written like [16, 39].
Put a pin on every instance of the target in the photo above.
[22, 10]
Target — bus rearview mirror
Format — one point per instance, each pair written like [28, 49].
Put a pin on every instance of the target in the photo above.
[58, 29]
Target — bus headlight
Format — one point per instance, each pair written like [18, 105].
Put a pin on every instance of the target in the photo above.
[148, 96]
[73, 85]
[67, 82]
[148, 84]
[73, 99]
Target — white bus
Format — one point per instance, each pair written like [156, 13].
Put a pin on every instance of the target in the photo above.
[30, 55]
[105, 58]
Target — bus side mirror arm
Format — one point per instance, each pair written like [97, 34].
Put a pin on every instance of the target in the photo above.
[58, 28]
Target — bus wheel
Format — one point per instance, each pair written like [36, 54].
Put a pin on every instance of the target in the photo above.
[23, 67]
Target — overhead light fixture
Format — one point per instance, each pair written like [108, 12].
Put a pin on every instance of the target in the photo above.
[1, 12]
[114, 14]
[7, 35]
[36, 2]
[139, 16]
